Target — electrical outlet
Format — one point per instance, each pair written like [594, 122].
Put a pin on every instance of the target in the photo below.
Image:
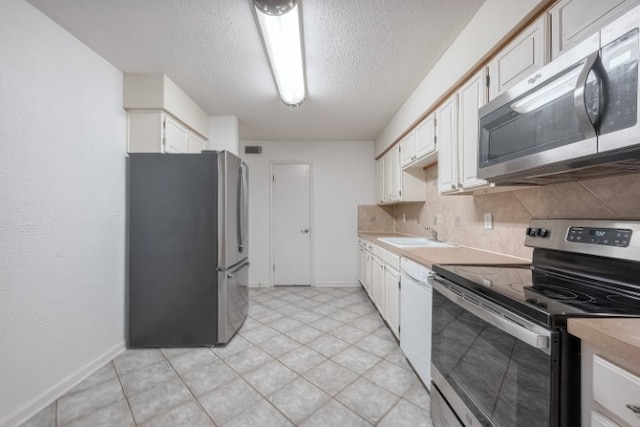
[488, 221]
[438, 219]
[457, 222]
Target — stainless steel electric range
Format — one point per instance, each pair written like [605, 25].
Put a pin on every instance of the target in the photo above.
[501, 354]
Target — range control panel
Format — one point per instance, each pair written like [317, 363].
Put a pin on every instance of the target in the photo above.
[599, 236]
[613, 238]
[537, 232]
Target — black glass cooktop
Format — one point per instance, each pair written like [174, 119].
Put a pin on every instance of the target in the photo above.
[546, 296]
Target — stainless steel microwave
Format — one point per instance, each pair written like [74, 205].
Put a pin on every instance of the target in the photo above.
[575, 118]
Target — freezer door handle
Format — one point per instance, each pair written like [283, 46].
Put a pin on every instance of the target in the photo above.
[231, 273]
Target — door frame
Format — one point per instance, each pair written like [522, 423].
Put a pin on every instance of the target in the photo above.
[312, 274]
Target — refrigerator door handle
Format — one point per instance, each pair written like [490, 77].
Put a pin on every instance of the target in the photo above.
[242, 203]
[231, 273]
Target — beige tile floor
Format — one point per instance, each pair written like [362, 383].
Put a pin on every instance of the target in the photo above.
[306, 356]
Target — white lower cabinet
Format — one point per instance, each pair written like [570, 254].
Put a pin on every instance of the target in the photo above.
[392, 299]
[617, 390]
[369, 271]
[378, 286]
[362, 261]
[379, 274]
[610, 390]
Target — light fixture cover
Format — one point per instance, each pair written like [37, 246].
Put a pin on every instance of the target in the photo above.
[282, 37]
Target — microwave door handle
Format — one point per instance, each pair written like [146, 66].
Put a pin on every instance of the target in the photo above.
[580, 105]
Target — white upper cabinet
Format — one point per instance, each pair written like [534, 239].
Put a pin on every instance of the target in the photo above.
[176, 136]
[447, 137]
[471, 97]
[418, 147]
[528, 52]
[408, 148]
[574, 20]
[380, 180]
[426, 139]
[157, 132]
[196, 143]
[398, 185]
[162, 118]
[393, 179]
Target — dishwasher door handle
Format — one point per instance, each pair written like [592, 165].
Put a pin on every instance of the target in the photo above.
[408, 275]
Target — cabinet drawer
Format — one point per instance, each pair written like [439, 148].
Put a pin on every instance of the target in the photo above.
[599, 420]
[616, 389]
[380, 253]
[393, 260]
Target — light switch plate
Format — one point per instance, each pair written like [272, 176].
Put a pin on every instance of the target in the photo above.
[488, 221]
[438, 219]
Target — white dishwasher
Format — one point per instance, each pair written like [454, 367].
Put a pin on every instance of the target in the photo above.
[415, 317]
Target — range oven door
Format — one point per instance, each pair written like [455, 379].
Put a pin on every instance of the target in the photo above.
[492, 367]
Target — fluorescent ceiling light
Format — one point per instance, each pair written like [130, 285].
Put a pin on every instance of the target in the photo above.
[281, 34]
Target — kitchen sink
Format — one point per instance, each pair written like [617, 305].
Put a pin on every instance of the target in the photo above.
[414, 242]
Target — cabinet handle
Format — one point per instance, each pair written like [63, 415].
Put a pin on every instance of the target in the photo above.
[634, 408]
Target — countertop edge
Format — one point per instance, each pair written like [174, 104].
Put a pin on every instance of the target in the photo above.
[614, 336]
[411, 253]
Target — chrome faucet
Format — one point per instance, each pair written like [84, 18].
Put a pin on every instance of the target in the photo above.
[434, 233]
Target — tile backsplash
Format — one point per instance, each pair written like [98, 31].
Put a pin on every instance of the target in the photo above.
[376, 219]
[463, 216]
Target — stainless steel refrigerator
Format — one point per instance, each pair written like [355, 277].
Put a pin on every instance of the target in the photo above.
[187, 248]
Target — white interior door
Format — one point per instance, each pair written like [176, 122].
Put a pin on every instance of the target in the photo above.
[291, 224]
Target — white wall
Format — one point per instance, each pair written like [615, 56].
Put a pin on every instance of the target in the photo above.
[223, 133]
[493, 21]
[62, 211]
[342, 178]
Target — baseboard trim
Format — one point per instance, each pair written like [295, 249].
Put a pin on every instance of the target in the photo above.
[29, 409]
[319, 284]
[336, 284]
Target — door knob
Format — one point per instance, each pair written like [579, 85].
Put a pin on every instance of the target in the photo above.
[305, 231]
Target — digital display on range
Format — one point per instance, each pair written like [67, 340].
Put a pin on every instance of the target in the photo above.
[600, 236]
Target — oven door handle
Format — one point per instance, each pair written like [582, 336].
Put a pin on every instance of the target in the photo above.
[530, 334]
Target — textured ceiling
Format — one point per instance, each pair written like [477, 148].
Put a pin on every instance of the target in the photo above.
[363, 57]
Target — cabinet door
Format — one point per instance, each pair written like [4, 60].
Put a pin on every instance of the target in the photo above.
[387, 184]
[380, 180]
[471, 97]
[369, 273]
[196, 143]
[175, 136]
[525, 54]
[378, 287]
[361, 265]
[574, 20]
[447, 138]
[408, 148]
[395, 174]
[425, 137]
[392, 297]
[145, 131]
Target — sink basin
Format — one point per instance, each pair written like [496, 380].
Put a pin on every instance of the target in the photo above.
[413, 242]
